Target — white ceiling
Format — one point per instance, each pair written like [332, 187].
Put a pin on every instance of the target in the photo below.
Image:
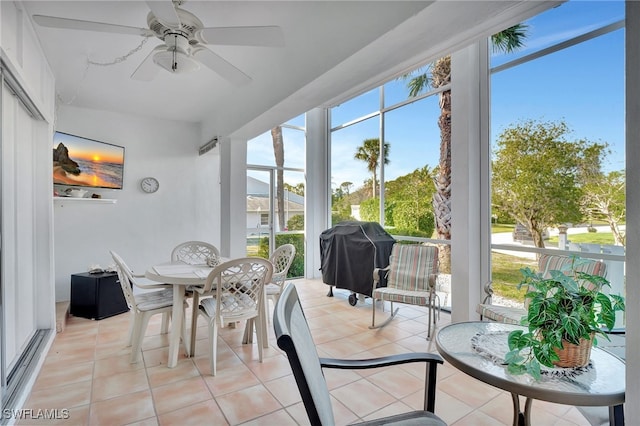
[333, 50]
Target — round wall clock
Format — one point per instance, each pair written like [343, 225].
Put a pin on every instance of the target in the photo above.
[149, 185]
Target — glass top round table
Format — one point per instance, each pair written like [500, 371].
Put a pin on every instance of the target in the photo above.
[477, 349]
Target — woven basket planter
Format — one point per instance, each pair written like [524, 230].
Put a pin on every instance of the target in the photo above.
[574, 355]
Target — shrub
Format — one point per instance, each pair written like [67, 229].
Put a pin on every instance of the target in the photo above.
[297, 266]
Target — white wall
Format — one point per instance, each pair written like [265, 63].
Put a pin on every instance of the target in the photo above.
[142, 228]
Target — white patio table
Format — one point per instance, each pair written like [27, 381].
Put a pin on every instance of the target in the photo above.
[180, 275]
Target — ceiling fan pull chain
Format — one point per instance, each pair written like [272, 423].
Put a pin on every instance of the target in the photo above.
[174, 66]
[102, 64]
[123, 57]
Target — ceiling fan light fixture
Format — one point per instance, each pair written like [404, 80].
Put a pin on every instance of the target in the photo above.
[176, 59]
[176, 62]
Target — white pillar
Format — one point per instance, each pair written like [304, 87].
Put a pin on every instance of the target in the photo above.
[632, 112]
[233, 197]
[317, 189]
[471, 221]
[562, 237]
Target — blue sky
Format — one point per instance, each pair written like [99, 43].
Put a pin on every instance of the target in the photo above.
[582, 85]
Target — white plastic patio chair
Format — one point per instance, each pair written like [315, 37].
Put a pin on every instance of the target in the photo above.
[282, 258]
[143, 306]
[238, 294]
[195, 253]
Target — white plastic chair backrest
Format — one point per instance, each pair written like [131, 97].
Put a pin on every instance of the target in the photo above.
[194, 252]
[125, 276]
[282, 258]
[239, 285]
[412, 267]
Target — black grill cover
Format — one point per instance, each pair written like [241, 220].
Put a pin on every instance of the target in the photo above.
[350, 251]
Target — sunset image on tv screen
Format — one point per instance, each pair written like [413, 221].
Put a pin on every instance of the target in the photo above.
[80, 161]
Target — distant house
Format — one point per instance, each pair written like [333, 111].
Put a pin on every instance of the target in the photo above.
[258, 206]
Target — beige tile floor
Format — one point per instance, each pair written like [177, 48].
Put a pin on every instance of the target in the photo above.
[88, 373]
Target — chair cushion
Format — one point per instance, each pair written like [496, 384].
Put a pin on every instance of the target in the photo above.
[235, 303]
[548, 263]
[410, 266]
[154, 299]
[271, 289]
[402, 296]
[505, 314]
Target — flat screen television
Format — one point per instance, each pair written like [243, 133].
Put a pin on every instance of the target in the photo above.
[79, 161]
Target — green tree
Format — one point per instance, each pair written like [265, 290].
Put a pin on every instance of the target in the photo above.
[604, 198]
[296, 223]
[537, 175]
[438, 74]
[346, 187]
[340, 206]
[370, 210]
[410, 196]
[369, 152]
[297, 189]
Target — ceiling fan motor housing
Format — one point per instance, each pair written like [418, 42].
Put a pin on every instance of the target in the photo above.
[177, 57]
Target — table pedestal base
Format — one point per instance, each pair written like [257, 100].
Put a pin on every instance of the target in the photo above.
[521, 418]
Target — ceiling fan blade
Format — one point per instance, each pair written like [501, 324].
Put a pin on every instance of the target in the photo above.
[268, 36]
[221, 67]
[147, 70]
[76, 24]
[165, 12]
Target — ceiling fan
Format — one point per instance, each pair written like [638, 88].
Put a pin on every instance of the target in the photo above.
[184, 40]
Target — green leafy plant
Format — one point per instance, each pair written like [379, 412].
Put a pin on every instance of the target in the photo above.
[567, 306]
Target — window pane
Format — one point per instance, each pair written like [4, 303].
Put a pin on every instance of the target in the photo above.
[351, 181]
[357, 107]
[396, 91]
[561, 87]
[294, 148]
[414, 149]
[260, 149]
[299, 121]
[562, 23]
[414, 137]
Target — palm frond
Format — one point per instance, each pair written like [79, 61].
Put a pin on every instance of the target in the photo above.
[510, 39]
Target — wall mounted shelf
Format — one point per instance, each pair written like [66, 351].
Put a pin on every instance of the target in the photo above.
[60, 200]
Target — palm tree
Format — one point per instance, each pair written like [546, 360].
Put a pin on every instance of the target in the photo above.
[438, 74]
[278, 151]
[369, 152]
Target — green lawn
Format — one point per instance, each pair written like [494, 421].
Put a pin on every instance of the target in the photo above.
[588, 237]
[501, 227]
[506, 268]
[505, 272]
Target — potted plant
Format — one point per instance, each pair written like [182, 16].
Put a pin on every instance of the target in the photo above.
[566, 311]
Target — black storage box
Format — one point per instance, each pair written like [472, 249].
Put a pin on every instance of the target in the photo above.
[350, 251]
[96, 296]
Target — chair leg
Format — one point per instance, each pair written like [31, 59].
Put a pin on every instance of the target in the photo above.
[132, 327]
[387, 321]
[432, 311]
[194, 322]
[373, 310]
[138, 336]
[213, 345]
[186, 339]
[429, 313]
[263, 321]
[247, 337]
[164, 327]
[260, 335]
